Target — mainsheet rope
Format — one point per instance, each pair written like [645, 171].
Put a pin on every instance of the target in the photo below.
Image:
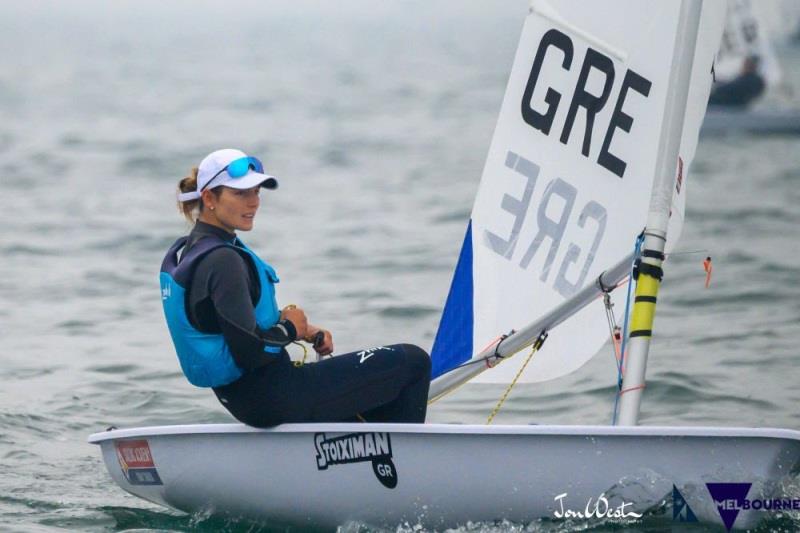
[535, 348]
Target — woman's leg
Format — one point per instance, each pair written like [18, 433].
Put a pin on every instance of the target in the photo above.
[268, 395]
[411, 404]
[383, 384]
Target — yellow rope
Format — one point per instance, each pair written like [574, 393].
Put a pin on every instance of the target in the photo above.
[305, 354]
[303, 346]
[536, 345]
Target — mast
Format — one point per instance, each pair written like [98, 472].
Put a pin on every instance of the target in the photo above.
[650, 272]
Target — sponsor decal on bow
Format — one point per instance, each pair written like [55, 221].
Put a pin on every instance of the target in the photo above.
[358, 448]
[136, 462]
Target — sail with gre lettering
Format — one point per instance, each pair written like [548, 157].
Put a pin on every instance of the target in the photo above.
[567, 182]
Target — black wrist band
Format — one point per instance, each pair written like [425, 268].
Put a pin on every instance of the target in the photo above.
[290, 329]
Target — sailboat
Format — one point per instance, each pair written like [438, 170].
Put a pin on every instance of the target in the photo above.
[594, 142]
[746, 35]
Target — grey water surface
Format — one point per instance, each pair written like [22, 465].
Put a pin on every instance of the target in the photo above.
[377, 117]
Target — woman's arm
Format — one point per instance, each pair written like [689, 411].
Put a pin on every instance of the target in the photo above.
[227, 281]
[321, 339]
[323, 345]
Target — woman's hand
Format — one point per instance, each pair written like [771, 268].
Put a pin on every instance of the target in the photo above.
[297, 317]
[325, 346]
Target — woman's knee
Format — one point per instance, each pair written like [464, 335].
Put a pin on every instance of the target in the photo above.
[418, 359]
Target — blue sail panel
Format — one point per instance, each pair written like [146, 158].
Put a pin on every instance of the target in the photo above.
[453, 344]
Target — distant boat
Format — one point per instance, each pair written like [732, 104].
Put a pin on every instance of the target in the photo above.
[594, 142]
[746, 35]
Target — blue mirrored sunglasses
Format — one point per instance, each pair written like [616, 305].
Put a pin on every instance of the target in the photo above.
[239, 168]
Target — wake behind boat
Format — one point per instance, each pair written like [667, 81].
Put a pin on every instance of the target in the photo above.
[595, 140]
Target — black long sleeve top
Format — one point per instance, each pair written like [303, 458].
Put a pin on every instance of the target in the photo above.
[222, 297]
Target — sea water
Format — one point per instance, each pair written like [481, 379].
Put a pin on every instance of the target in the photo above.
[377, 118]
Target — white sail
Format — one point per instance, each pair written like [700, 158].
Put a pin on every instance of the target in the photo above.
[746, 35]
[567, 182]
[709, 36]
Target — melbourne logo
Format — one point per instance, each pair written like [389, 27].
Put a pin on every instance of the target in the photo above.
[680, 507]
[729, 499]
[358, 448]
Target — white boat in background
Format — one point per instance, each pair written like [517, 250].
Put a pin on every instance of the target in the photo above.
[747, 35]
[594, 142]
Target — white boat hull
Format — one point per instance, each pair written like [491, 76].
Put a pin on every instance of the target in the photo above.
[443, 475]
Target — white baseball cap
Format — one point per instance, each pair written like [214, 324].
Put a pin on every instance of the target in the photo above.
[231, 168]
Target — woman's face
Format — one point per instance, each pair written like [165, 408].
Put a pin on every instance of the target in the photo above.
[233, 209]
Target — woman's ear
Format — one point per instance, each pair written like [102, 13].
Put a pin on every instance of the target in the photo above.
[209, 199]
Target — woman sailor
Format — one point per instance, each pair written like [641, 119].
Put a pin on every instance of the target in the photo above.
[220, 306]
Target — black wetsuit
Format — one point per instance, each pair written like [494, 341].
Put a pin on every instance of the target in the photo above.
[738, 92]
[384, 384]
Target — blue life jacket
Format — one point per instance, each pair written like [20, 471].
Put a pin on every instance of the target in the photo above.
[206, 358]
